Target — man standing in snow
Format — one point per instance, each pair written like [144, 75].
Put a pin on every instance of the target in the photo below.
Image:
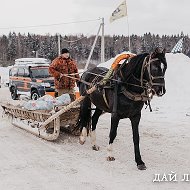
[59, 69]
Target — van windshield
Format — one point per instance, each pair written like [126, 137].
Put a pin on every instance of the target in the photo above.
[40, 72]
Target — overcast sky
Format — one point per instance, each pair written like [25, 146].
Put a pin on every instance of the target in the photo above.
[155, 16]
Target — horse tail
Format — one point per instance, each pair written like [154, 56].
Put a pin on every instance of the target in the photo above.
[84, 119]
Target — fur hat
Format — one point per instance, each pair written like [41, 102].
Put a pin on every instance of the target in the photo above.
[64, 50]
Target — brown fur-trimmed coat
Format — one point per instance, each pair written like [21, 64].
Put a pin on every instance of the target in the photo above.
[60, 66]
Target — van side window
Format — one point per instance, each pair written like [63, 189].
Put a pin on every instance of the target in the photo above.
[13, 72]
[26, 72]
[21, 72]
[10, 72]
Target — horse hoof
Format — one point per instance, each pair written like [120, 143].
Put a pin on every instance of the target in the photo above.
[142, 167]
[110, 158]
[81, 142]
[95, 148]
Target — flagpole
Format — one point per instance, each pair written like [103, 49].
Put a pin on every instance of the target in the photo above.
[128, 28]
[102, 43]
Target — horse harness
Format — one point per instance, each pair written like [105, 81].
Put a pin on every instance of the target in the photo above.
[146, 95]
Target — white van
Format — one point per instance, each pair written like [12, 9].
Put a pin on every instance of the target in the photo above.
[30, 77]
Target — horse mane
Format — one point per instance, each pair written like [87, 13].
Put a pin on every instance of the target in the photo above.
[134, 64]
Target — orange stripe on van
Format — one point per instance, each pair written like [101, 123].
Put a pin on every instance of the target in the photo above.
[21, 79]
[51, 93]
[38, 80]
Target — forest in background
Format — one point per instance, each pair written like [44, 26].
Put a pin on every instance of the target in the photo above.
[19, 45]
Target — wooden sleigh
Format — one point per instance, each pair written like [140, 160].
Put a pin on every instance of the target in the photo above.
[46, 124]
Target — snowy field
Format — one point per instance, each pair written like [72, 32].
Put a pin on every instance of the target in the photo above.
[4, 75]
[30, 163]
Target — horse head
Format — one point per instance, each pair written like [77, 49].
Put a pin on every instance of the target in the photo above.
[145, 71]
[156, 68]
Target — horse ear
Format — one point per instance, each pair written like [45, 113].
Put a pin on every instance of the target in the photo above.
[160, 50]
[156, 51]
[164, 51]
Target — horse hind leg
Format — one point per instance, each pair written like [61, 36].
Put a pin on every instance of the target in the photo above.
[95, 118]
[84, 121]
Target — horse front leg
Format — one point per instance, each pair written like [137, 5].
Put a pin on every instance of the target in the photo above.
[95, 118]
[113, 134]
[135, 128]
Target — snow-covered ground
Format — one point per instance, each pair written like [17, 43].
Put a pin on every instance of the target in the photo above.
[4, 75]
[30, 163]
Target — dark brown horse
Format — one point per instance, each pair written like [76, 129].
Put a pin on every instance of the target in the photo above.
[132, 85]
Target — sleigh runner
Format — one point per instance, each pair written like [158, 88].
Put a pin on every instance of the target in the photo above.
[46, 124]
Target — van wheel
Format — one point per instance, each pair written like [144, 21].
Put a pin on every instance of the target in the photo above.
[34, 95]
[14, 94]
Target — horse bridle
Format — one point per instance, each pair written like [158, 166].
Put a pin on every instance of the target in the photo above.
[146, 65]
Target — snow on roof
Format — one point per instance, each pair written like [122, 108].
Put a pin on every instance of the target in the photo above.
[24, 61]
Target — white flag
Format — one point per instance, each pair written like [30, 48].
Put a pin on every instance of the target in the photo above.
[120, 12]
